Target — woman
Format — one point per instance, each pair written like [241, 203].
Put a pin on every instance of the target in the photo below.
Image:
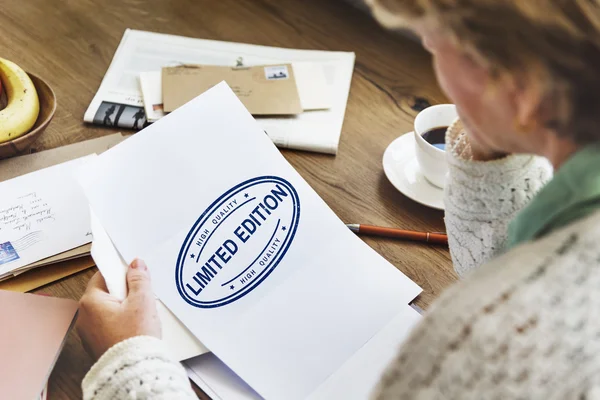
[521, 324]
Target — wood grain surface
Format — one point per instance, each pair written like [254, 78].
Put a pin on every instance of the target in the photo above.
[70, 43]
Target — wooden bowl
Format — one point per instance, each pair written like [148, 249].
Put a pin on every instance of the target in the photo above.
[21, 145]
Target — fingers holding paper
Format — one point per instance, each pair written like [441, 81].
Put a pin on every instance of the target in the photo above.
[105, 321]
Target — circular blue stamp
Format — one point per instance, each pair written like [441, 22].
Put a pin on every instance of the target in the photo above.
[237, 242]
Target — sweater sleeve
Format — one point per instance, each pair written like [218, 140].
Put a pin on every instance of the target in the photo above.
[137, 368]
[481, 198]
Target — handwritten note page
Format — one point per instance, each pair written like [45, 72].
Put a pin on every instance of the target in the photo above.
[241, 249]
[42, 214]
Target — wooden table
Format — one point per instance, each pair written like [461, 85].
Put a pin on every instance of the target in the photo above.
[70, 43]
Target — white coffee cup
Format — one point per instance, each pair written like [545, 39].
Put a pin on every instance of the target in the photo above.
[432, 160]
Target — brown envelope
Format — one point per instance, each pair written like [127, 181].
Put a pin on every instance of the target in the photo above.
[13, 167]
[34, 329]
[41, 276]
[67, 255]
[264, 90]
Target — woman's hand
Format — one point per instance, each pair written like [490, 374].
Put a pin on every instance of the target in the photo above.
[479, 150]
[105, 321]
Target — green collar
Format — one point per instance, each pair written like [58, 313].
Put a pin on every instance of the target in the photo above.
[573, 193]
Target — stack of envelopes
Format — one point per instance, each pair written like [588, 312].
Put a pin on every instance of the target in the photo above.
[44, 217]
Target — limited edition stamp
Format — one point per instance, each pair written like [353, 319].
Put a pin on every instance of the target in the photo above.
[237, 242]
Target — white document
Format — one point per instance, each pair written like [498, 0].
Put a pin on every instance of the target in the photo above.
[119, 99]
[359, 377]
[240, 247]
[356, 379]
[217, 380]
[179, 340]
[108, 260]
[42, 213]
[151, 87]
[313, 89]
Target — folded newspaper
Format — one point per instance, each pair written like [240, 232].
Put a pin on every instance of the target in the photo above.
[119, 100]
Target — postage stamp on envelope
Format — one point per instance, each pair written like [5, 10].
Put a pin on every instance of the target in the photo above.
[276, 72]
[7, 253]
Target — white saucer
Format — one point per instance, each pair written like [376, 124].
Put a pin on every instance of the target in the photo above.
[401, 168]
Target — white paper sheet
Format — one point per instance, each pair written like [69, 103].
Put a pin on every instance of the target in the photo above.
[178, 339]
[42, 214]
[300, 296]
[108, 260]
[313, 89]
[356, 379]
[200, 383]
[119, 97]
[359, 377]
[217, 380]
[151, 87]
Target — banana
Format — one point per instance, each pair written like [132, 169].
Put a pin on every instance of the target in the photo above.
[2, 97]
[23, 106]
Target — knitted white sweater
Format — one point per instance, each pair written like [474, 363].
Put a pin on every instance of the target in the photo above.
[522, 326]
[136, 369]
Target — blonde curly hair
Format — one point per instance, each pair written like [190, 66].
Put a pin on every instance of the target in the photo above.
[552, 45]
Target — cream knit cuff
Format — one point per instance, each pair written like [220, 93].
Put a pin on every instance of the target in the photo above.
[467, 172]
[130, 353]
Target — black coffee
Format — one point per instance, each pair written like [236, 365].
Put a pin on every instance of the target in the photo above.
[436, 137]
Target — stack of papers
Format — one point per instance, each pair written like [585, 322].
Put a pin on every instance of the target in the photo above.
[43, 215]
[130, 95]
[247, 256]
